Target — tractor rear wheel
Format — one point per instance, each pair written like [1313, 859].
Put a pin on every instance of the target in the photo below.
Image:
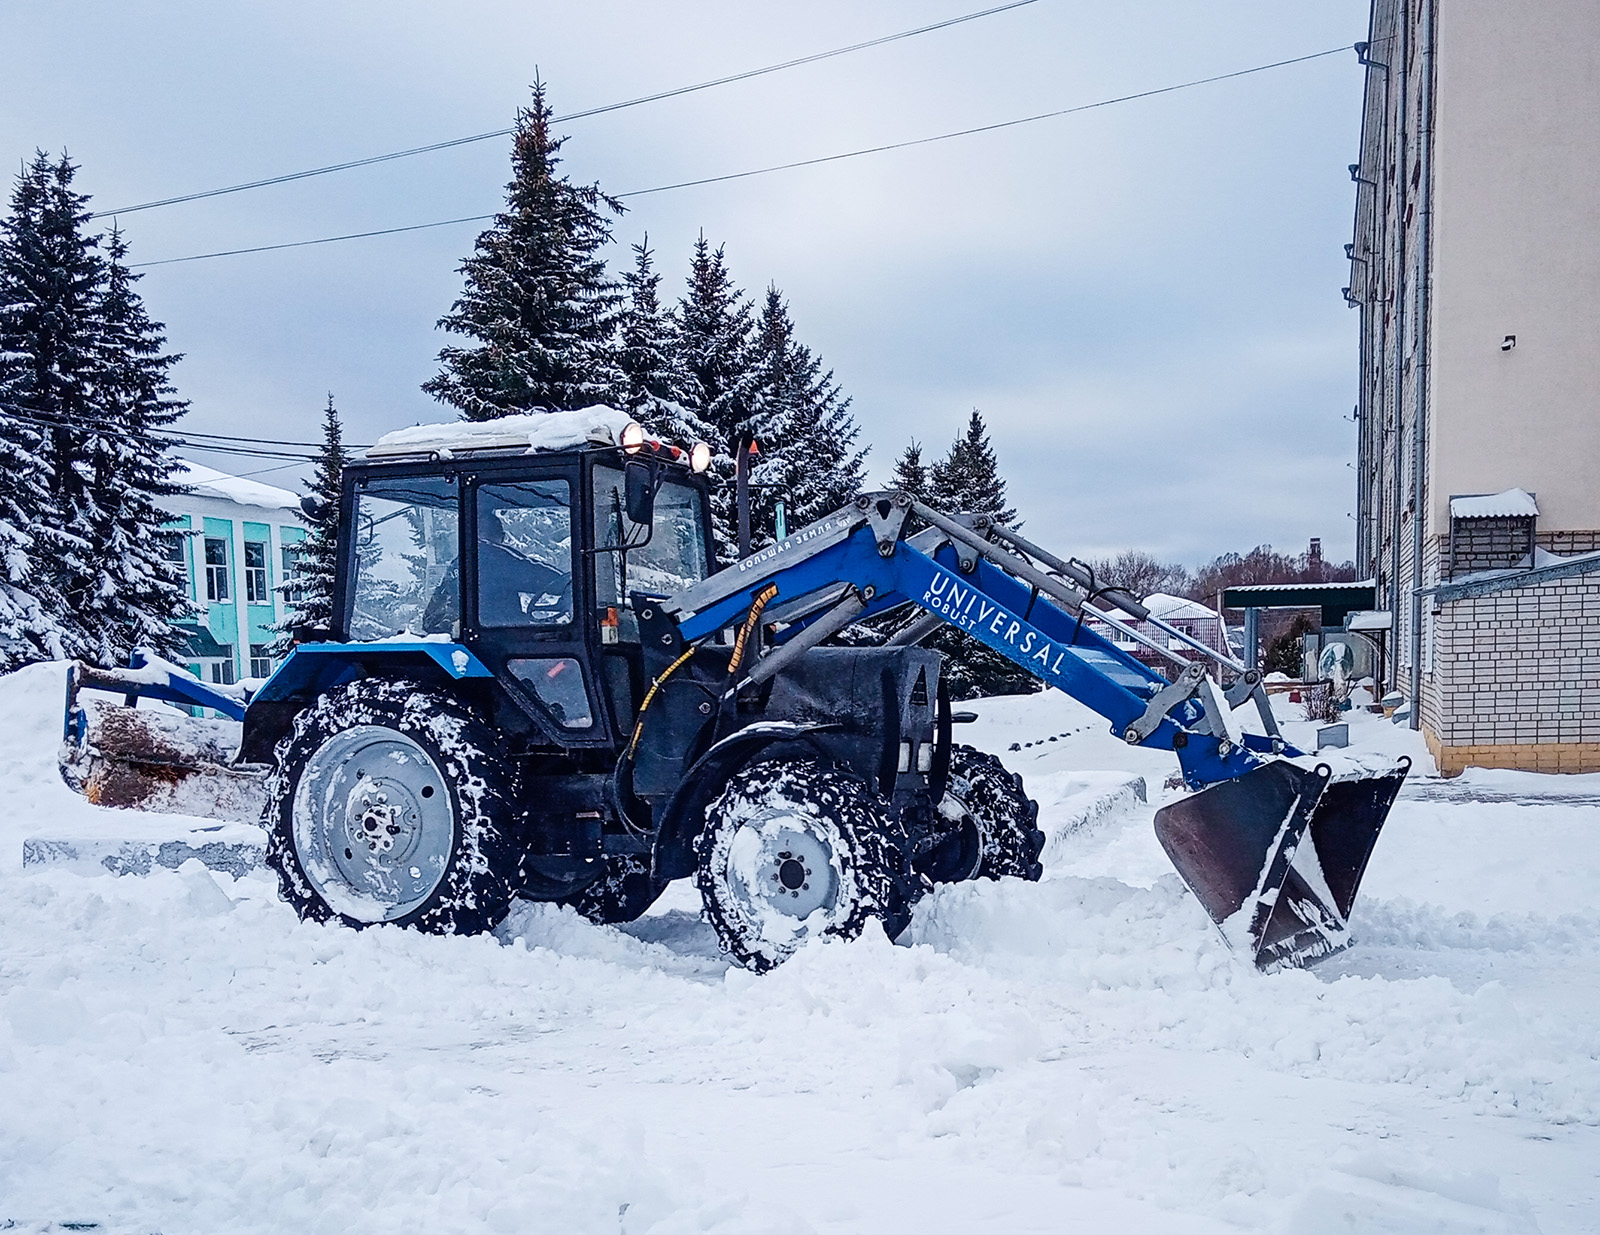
[1006, 817]
[795, 850]
[386, 805]
[622, 894]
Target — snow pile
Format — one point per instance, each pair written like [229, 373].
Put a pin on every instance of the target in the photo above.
[178, 1052]
[533, 431]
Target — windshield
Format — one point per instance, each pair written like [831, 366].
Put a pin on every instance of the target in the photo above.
[674, 557]
[406, 545]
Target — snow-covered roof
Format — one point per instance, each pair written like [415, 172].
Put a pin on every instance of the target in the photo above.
[208, 482]
[530, 432]
[1168, 607]
[1370, 619]
[1301, 587]
[1513, 503]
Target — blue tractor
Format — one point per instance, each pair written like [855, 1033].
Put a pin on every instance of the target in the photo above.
[539, 686]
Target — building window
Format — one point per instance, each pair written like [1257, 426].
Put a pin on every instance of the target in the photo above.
[255, 573]
[177, 557]
[293, 592]
[260, 661]
[219, 669]
[216, 569]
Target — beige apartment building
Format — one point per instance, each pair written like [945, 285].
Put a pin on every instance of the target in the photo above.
[1476, 269]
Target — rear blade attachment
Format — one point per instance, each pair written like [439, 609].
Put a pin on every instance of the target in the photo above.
[1241, 847]
[155, 759]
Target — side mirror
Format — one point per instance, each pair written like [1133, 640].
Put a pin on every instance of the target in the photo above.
[639, 484]
[317, 510]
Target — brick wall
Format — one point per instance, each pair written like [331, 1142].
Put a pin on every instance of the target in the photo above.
[1488, 544]
[1569, 543]
[1515, 679]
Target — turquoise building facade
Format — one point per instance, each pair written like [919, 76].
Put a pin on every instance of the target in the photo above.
[237, 551]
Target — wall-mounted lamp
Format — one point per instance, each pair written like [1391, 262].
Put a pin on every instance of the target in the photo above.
[1509, 342]
[1361, 50]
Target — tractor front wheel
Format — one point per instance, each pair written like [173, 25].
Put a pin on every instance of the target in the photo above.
[795, 850]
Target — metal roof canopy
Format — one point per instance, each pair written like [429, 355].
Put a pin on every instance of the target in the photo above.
[1336, 600]
[203, 644]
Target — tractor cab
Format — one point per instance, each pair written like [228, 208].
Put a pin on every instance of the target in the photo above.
[524, 547]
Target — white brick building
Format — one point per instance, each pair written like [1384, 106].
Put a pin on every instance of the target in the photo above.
[1476, 268]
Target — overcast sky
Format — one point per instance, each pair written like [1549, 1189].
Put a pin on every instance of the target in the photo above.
[1143, 300]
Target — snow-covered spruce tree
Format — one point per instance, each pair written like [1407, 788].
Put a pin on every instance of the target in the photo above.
[539, 306]
[27, 632]
[653, 381]
[720, 379]
[910, 473]
[803, 424]
[309, 596]
[50, 356]
[968, 481]
[132, 592]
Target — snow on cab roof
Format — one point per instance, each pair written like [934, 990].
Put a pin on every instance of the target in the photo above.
[207, 482]
[529, 432]
[1513, 503]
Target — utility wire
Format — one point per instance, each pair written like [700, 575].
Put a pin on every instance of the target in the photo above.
[779, 167]
[578, 115]
[300, 244]
[985, 128]
[219, 443]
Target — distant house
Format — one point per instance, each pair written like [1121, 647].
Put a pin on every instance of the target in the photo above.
[237, 552]
[1188, 616]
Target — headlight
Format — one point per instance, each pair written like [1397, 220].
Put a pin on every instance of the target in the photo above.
[700, 456]
[633, 437]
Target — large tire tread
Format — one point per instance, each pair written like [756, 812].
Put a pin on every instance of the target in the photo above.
[1006, 816]
[875, 874]
[478, 884]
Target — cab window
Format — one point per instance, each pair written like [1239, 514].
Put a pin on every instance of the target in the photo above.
[525, 554]
[673, 557]
[405, 577]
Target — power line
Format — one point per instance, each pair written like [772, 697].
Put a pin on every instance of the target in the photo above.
[779, 167]
[218, 443]
[300, 244]
[578, 115]
[985, 128]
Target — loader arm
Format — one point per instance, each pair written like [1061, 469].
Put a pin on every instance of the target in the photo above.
[1234, 840]
[857, 563]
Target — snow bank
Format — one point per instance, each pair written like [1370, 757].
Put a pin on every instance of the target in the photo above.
[178, 1052]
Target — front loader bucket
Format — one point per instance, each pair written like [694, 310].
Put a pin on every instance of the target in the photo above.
[1239, 845]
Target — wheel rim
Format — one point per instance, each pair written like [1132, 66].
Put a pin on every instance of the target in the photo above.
[373, 824]
[781, 871]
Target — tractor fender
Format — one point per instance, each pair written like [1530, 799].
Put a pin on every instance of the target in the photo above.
[313, 669]
[685, 811]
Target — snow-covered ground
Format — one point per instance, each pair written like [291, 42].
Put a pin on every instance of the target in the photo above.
[179, 1053]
